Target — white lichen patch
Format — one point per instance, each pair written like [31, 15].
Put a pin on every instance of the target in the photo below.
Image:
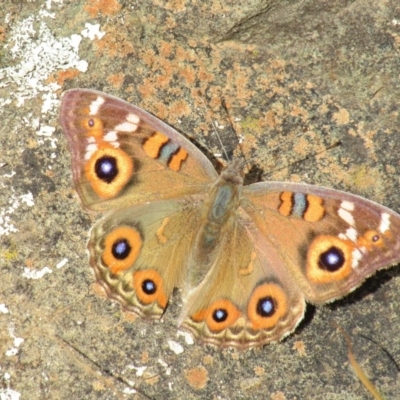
[62, 263]
[175, 347]
[36, 274]
[39, 53]
[188, 337]
[14, 203]
[3, 309]
[92, 31]
[17, 341]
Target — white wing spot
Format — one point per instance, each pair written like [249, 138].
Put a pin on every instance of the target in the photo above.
[126, 127]
[385, 223]
[357, 256]
[351, 234]
[133, 118]
[347, 205]
[95, 105]
[346, 213]
[111, 137]
[90, 150]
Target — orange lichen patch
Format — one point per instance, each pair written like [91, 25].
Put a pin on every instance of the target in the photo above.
[145, 357]
[208, 360]
[148, 57]
[29, 263]
[163, 80]
[98, 385]
[182, 56]
[310, 85]
[188, 74]
[299, 112]
[116, 80]
[300, 347]
[129, 316]
[177, 92]
[165, 49]
[2, 34]
[197, 377]
[278, 396]
[175, 5]
[259, 371]
[148, 90]
[114, 44]
[170, 23]
[205, 76]
[341, 117]
[269, 119]
[161, 110]
[302, 147]
[278, 64]
[105, 7]
[99, 290]
[180, 108]
[61, 76]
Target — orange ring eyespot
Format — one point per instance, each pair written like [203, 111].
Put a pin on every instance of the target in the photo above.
[329, 259]
[108, 170]
[267, 305]
[121, 248]
[220, 315]
[149, 287]
[93, 126]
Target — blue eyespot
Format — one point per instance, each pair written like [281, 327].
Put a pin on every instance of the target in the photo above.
[149, 287]
[121, 249]
[331, 259]
[106, 168]
[266, 306]
[220, 315]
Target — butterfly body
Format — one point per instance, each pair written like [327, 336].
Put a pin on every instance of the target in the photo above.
[246, 258]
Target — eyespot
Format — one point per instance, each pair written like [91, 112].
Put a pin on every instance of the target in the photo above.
[108, 170]
[266, 306]
[373, 238]
[121, 248]
[93, 127]
[149, 288]
[329, 259]
[220, 315]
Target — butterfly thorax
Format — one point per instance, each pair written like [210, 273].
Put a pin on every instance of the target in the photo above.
[219, 212]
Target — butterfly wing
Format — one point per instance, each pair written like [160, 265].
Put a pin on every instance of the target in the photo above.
[139, 254]
[249, 298]
[122, 155]
[330, 241]
[287, 244]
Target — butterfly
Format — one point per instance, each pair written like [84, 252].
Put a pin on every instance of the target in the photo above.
[246, 258]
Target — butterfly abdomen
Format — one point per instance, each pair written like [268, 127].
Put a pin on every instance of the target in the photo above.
[219, 212]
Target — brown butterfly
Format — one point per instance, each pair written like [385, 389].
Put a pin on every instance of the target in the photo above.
[246, 258]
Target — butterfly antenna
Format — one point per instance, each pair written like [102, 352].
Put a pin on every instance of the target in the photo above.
[232, 129]
[391, 358]
[220, 141]
[358, 370]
